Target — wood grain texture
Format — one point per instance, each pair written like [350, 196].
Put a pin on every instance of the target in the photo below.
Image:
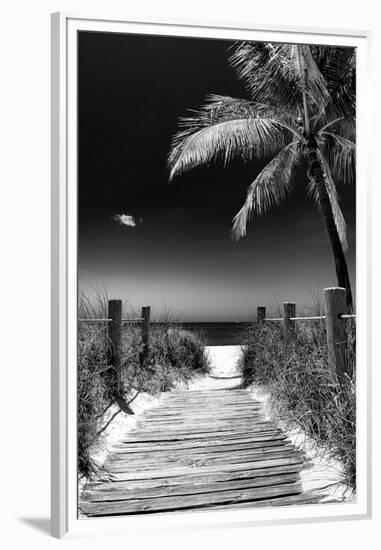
[335, 304]
[199, 450]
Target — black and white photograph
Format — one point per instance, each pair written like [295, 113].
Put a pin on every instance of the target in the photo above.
[216, 308]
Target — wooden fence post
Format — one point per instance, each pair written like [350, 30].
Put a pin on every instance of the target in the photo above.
[289, 329]
[335, 303]
[146, 313]
[261, 314]
[115, 332]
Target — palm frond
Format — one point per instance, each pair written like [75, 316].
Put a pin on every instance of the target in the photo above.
[269, 188]
[338, 66]
[280, 73]
[226, 128]
[223, 106]
[311, 80]
[340, 126]
[264, 79]
[334, 200]
[340, 154]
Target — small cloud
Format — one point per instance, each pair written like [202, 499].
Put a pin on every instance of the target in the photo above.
[125, 219]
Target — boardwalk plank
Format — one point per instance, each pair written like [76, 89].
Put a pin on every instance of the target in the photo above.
[116, 493]
[195, 478]
[293, 500]
[143, 466]
[167, 503]
[198, 449]
[189, 470]
[204, 449]
[184, 436]
[171, 456]
[196, 445]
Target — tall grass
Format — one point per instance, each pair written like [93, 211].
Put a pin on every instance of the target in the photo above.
[303, 392]
[175, 356]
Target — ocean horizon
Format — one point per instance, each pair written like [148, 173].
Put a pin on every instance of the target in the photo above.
[213, 333]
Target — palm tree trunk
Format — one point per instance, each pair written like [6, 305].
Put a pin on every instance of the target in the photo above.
[317, 174]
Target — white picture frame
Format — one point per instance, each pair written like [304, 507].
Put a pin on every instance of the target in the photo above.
[64, 276]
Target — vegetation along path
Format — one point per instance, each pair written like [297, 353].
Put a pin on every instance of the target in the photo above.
[200, 449]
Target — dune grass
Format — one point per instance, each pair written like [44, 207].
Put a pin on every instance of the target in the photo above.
[175, 356]
[303, 392]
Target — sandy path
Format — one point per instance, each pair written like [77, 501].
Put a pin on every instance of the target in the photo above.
[224, 373]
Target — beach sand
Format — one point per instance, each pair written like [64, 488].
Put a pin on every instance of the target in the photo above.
[224, 374]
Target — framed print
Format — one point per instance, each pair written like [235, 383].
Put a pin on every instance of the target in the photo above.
[211, 275]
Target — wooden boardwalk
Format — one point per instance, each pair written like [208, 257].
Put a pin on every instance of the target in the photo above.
[199, 450]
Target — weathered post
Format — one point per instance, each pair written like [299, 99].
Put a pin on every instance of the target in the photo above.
[289, 329]
[115, 333]
[335, 303]
[146, 313]
[261, 314]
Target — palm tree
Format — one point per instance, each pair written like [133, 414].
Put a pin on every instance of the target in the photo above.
[301, 113]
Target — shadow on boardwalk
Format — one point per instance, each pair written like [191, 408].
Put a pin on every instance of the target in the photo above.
[208, 447]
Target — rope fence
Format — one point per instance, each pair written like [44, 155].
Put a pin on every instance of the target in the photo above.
[335, 317]
[312, 318]
[127, 320]
[115, 322]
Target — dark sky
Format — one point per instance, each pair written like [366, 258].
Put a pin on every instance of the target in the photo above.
[132, 89]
